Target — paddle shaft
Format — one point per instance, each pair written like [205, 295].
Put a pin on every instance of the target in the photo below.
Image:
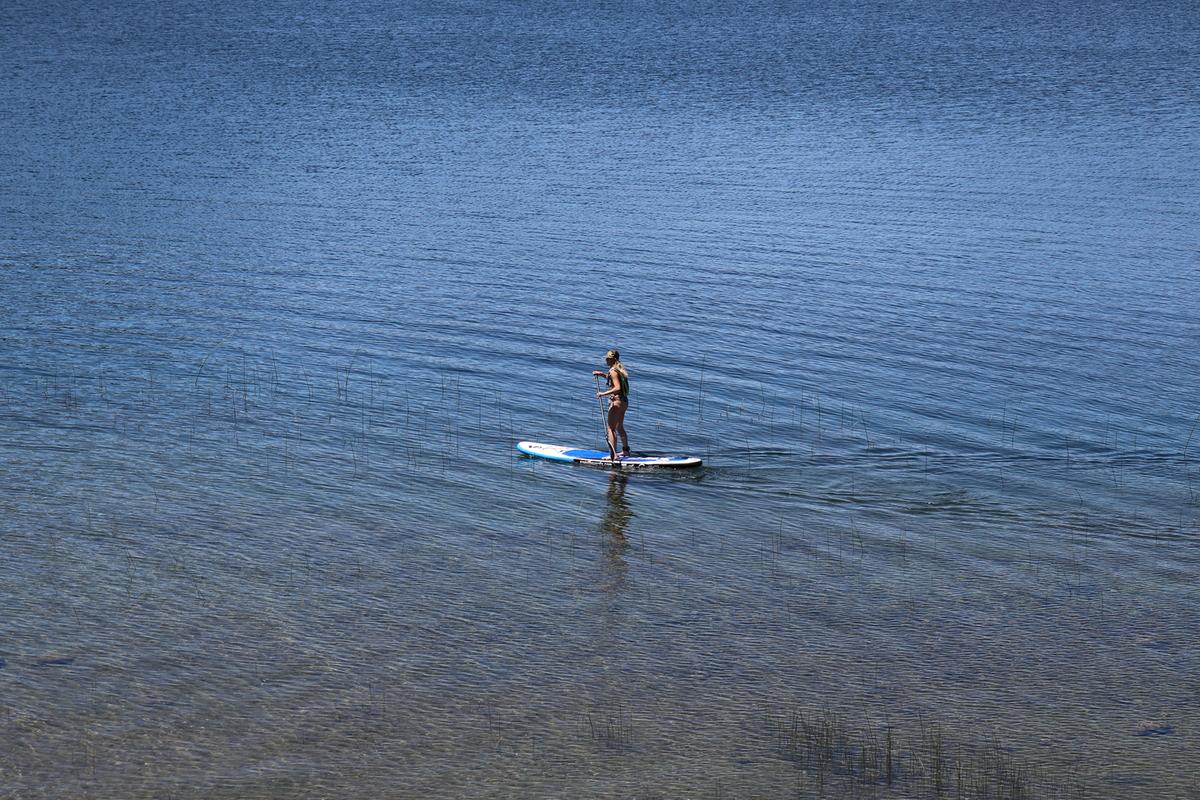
[603, 416]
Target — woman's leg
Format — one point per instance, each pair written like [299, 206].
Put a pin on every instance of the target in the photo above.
[610, 429]
[616, 424]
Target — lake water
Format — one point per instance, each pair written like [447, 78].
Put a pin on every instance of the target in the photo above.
[282, 284]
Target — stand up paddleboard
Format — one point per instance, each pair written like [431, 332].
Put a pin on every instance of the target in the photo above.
[599, 458]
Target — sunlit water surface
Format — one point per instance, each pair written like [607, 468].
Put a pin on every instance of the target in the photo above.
[283, 283]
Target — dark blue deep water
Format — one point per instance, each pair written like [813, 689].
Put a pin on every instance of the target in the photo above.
[282, 283]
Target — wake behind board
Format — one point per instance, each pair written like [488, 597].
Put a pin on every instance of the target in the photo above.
[599, 458]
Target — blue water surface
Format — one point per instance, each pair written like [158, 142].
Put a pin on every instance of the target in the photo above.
[283, 283]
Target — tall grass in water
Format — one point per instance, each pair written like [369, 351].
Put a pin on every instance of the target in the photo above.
[611, 727]
[839, 758]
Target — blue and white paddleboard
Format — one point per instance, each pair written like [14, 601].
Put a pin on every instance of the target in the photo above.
[599, 458]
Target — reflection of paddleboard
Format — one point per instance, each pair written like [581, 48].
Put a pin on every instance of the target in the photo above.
[581, 455]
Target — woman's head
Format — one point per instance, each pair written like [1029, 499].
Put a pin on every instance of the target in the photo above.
[612, 356]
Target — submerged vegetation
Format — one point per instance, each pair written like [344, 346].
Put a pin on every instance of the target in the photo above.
[837, 758]
[345, 570]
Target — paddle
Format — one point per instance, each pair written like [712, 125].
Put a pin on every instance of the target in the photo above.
[603, 417]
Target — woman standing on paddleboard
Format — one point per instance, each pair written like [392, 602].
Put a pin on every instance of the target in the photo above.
[618, 402]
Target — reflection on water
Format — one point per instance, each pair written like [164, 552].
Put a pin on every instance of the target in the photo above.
[614, 524]
[617, 512]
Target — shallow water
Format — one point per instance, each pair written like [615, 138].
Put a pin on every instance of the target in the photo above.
[283, 285]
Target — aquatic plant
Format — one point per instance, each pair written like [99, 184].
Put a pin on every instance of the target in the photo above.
[839, 758]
